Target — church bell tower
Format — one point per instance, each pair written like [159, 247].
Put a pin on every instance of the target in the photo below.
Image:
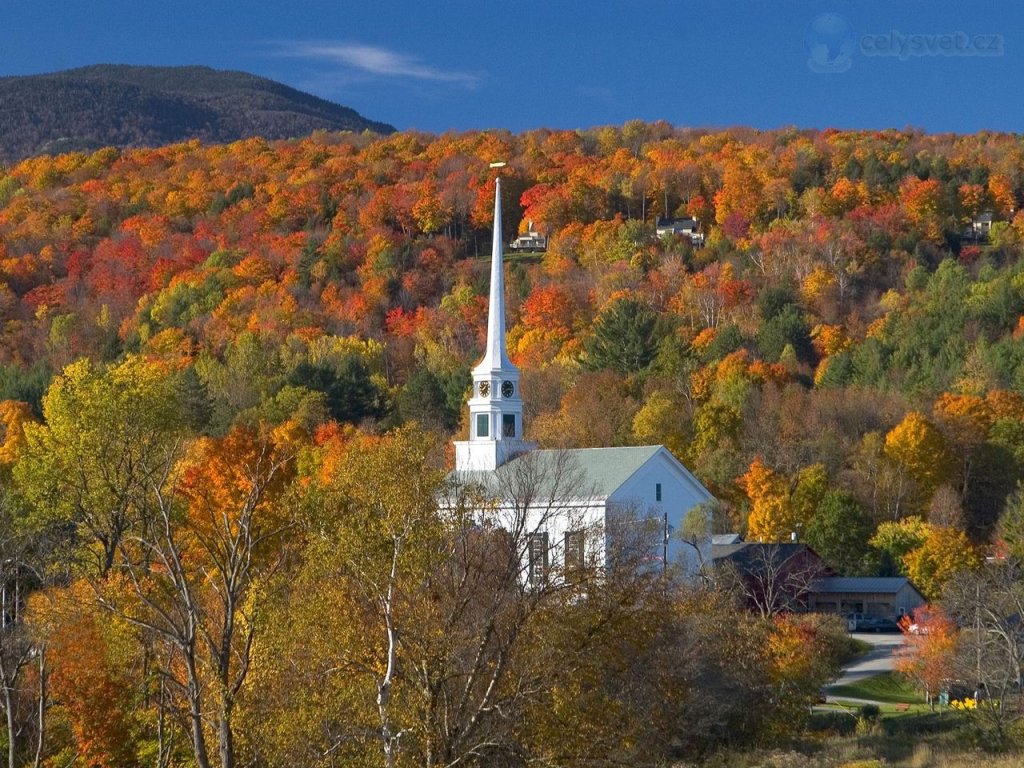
[496, 406]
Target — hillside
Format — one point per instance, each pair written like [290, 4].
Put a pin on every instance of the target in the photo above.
[224, 353]
[116, 105]
[837, 309]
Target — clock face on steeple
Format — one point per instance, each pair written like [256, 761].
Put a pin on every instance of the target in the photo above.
[484, 388]
[507, 389]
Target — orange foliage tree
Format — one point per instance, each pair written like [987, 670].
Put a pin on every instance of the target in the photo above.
[195, 572]
[928, 653]
[89, 655]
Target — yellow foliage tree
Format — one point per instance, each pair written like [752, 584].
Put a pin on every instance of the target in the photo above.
[768, 494]
[967, 417]
[660, 420]
[829, 339]
[14, 414]
[780, 508]
[920, 448]
[107, 438]
[945, 551]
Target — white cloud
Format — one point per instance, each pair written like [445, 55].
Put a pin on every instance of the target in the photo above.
[376, 61]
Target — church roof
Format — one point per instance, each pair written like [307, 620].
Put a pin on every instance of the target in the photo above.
[575, 472]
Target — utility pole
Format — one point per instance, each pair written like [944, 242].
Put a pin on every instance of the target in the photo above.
[977, 633]
[664, 559]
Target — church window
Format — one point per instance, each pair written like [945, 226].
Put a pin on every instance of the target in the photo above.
[537, 550]
[657, 491]
[508, 425]
[575, 543]
[482, 425]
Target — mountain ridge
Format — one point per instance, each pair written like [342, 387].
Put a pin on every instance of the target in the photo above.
[145, 106]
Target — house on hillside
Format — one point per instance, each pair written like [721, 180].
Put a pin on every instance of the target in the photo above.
[531, 241]
[686, 226]
[982, 224]
[981, 227]
[568, 507]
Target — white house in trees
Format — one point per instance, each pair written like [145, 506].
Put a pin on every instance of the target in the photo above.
[572, 506]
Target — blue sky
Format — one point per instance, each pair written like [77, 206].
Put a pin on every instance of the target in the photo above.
[462, 64]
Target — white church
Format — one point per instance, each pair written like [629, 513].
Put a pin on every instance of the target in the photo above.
[572, 507]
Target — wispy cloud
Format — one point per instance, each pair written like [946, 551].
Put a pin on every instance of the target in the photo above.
[373, 60]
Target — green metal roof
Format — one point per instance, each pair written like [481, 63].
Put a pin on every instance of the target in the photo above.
[570, 472]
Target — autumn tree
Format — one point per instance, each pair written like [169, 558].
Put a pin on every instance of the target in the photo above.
[944, 552]
[779, 510]
[576, 424]
[106, 440]
[929, 555]
[920, 448]
[196, 569]
[926, 205]
[895, 539]
[89, 675]
[805, 652]
[880, 484]
[434, 631]
[768, 494]
[928, 654]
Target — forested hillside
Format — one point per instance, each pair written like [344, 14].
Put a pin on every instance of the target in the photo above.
[193, 329]
[836, 323]
[120, 105]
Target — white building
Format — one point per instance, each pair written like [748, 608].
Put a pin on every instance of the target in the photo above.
[576, 506]
[531, 241]
[687, 227]
[981, 225]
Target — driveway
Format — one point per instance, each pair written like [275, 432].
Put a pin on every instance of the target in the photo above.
[879, 659]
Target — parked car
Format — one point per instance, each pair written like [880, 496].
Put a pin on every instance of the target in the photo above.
[875, 624]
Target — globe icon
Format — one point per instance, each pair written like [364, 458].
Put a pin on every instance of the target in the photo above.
[830, 43]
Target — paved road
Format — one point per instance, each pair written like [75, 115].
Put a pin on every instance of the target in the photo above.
[878, 659]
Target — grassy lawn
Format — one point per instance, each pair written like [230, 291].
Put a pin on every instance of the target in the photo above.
[522, 257]
[887, 687]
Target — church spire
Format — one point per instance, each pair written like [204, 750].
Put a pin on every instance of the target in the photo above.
[496, 355]
[495, 407]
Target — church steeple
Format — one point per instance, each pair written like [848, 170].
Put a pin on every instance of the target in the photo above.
[495, 407]
[496, 356]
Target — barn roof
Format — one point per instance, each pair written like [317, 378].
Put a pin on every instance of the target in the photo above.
[753, 557]
[856, 584]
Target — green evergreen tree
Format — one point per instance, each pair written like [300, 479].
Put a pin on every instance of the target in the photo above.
[625, 338]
